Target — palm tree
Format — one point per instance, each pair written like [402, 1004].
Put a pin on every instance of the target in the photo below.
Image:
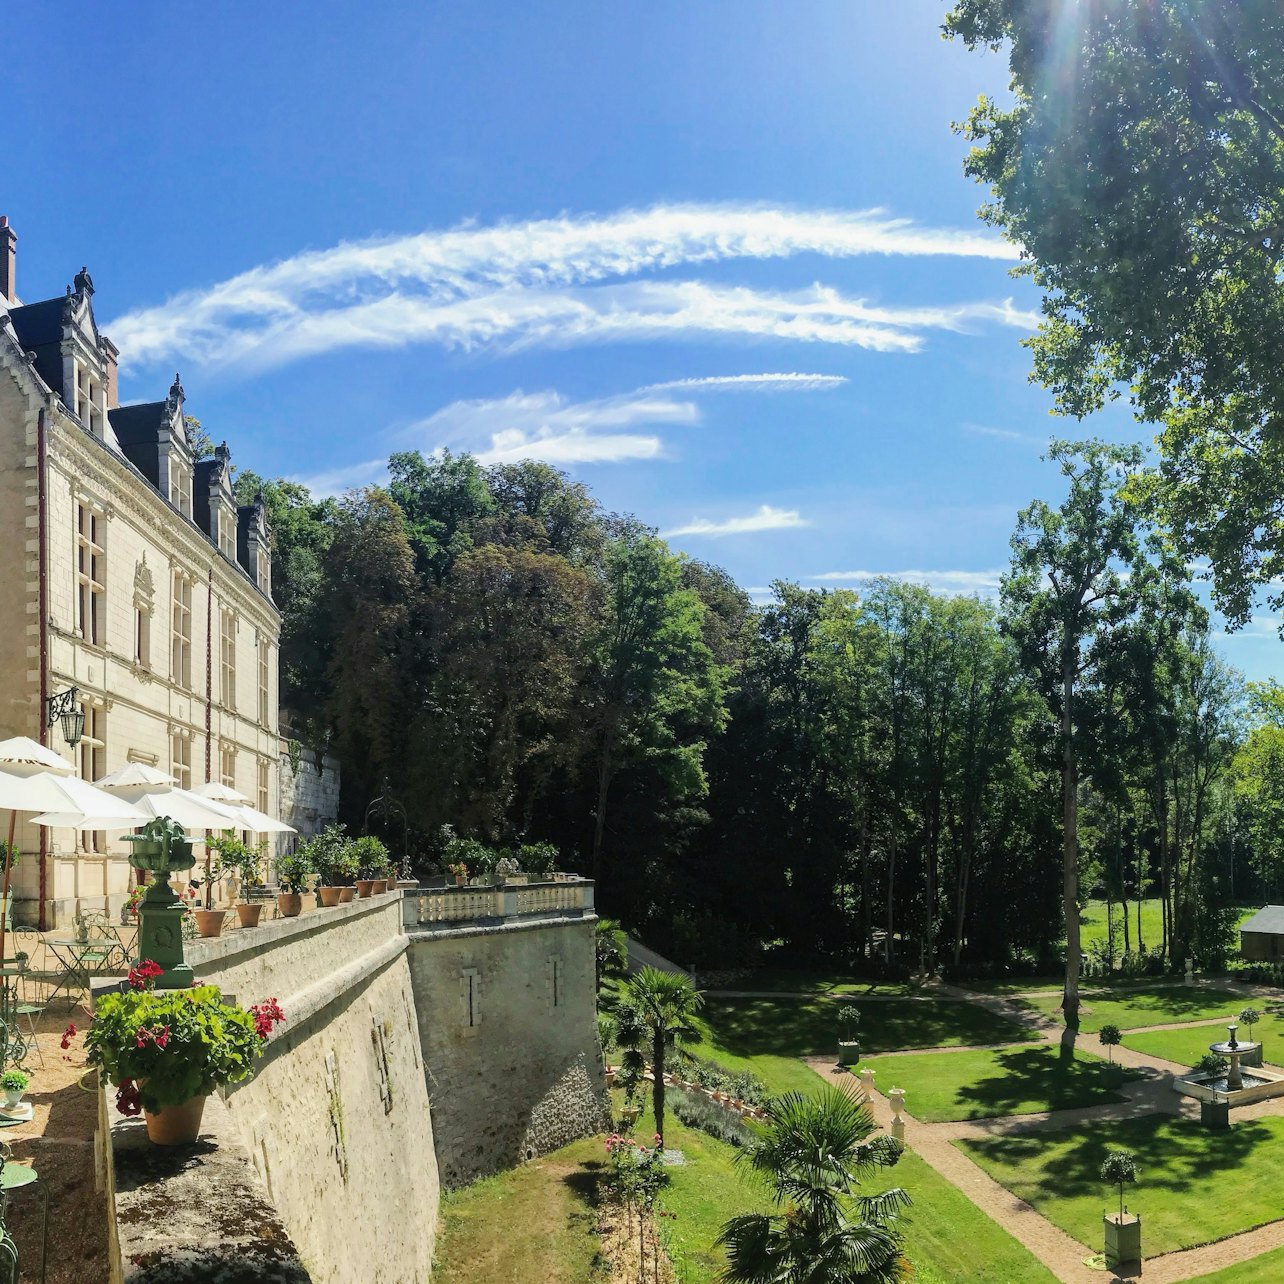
[814, 1150]
[656, 1015]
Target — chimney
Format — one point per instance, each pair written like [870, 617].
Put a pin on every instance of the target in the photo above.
[8, 260]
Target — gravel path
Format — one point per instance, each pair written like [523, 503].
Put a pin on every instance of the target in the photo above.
[1059, 1252]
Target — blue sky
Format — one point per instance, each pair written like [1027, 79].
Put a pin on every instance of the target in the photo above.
[580, 231]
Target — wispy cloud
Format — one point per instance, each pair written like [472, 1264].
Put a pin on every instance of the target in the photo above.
[372, 472]
[552, 427]
[792, 382]
[546, 282]
[765, 518]
[1005, 434]
[984, 583]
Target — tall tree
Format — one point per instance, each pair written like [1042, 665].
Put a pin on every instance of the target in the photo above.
[1139, 165]
[656, 692]
[1077, 574]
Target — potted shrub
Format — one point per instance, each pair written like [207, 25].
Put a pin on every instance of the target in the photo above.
[373, 865]
[294, 874]
[1250, 1017]
[1110, 1037]
[848, 1027]
[167, 1050]
[459, 872]
[372, 857]
[13, 1083]
[1123, 1229]
[333, 858]
[248, 863]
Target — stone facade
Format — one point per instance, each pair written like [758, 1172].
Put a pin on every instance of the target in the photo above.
[509, 1033]
[129, 574]
[310, 794]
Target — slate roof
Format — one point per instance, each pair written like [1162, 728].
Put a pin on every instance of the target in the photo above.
[36, 324]
[138, 423]
[1268, 920]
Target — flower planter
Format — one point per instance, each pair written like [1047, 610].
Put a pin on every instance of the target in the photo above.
[460, 880]
[329, 896]
[176, 1125]
[209, 922]
[346, 894]
[249, 914]
[13, 1097]
[290, 904]
[1123, 1238]
[848, 1052]
[365, 887]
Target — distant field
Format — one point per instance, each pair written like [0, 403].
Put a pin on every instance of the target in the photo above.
[1092, 923]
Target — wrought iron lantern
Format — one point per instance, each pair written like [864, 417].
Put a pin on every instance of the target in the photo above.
[65, 708]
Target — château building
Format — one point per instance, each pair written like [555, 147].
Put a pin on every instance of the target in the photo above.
[133, 585]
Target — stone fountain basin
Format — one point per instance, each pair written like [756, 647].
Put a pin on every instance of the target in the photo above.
[1260, 1084]
[1239, 1049]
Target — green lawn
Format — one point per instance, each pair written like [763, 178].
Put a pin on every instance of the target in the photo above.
[751, 1028]
[1195, 1186]
[789, 981]
[1153, 1005]
[1007, 1081]
[536, 1222]
[948, 1239]
[1185, 1047]
[712, 1187]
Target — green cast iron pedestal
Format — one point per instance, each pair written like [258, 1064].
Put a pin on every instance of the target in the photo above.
[160, 913]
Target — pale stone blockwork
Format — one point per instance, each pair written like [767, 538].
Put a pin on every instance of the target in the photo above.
[134, 593]
[511, 1075]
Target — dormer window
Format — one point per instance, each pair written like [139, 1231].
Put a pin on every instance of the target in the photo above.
[180, 484]
[90, 400]
[226, 533]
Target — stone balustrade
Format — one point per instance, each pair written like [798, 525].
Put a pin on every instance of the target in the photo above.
[440, 908]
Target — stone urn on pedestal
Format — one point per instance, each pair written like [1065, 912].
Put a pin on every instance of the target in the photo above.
[896, 1099]
[162, 847]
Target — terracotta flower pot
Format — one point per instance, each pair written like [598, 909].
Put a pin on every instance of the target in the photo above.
[380, 886]
[290, 904]
[346, 894]
[365, 887]
[249, 914]
[176, 1125]
[460, 880]
[329, 896]
[209, 922]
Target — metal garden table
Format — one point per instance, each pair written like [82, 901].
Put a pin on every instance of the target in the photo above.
[81, 961]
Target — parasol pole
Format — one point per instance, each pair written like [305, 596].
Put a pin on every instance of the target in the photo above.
[8, 863]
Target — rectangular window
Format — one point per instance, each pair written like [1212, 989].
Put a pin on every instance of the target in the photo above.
[181, 761]
[180, 485]
[261, 801]
[265, 674]
[91, 575]
[143, 637]
[227, 657]
[227, 766]
[93, 765]
[181, 633]
[227, 533]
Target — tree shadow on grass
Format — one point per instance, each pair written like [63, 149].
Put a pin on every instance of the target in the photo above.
[586, 1179]
[1030, 1080]
[1178, 1156]
[794, 1028]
